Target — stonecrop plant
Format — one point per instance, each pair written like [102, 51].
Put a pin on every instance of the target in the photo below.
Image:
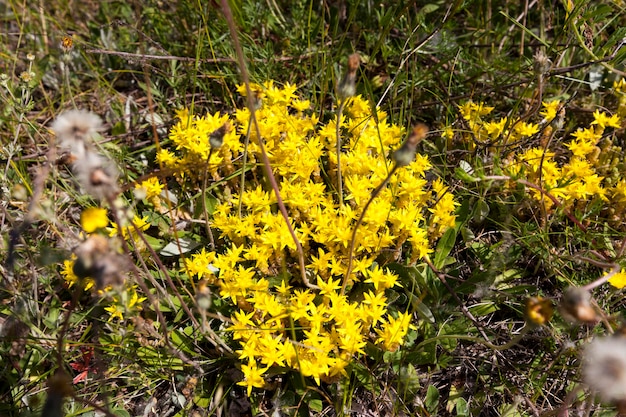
[593, 165]
[279, 318]
[581, 175]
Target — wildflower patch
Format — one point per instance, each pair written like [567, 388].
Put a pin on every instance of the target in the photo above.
[278, 321]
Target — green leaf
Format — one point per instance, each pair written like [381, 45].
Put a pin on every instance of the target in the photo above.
[177, 248]
[181, 341]
[153, 358]
[316, 405]
[456, 401]
[461, 407]
[481, 211]
[483, 308]
[432, 399]
[462, 175]
[408, 380]
[365, 377]
[445, 245]
[422, 309]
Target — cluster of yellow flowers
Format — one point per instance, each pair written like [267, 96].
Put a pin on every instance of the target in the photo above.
[582, 173]
[590, 172]
[278, 321]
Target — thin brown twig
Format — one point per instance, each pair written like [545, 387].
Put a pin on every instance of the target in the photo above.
[266, 163]
[464, 310]
[147, 57]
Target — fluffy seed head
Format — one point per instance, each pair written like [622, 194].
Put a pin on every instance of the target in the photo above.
[97, 176]
[96, 258]
[353, 63]
[541, 63]
[347, 86]
[604, 367]
[75, 129]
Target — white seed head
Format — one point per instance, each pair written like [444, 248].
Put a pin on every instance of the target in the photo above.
[604, 367]
[97, 175]
[96, 258]
[75, 129]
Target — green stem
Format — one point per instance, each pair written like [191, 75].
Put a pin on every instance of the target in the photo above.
[228, 15]
[375, 193]
[242, 182]
[204, 208]
[342, 104]
[515, 340]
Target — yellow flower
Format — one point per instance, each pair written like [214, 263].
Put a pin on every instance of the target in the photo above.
[587, 135]
[70, 278]
[618, 280]
[331, 329]
[526, 129]
[581, 148]
[128, 302]
[538, 310]
[199, 263]
[114, 312]
[255, 88]
[393, 331]
[138, 223]
[93, 218]
[495, 129]
[167, 158]
[550, 109]
[620, 86]
[252, 376]
[448, 132]
[328, 287]
[152, 187]
[473, 111]
[134, 303]
[301, 105]
[601, 119]
[380, 278]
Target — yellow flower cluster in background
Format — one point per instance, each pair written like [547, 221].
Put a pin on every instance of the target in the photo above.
[316, 330]
[582, 170]
[126, 302]
[583, 176]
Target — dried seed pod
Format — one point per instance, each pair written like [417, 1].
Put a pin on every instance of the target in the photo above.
[404, 155]
[576, 306]
[538, 310]
[347, 86]
[216, 138]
